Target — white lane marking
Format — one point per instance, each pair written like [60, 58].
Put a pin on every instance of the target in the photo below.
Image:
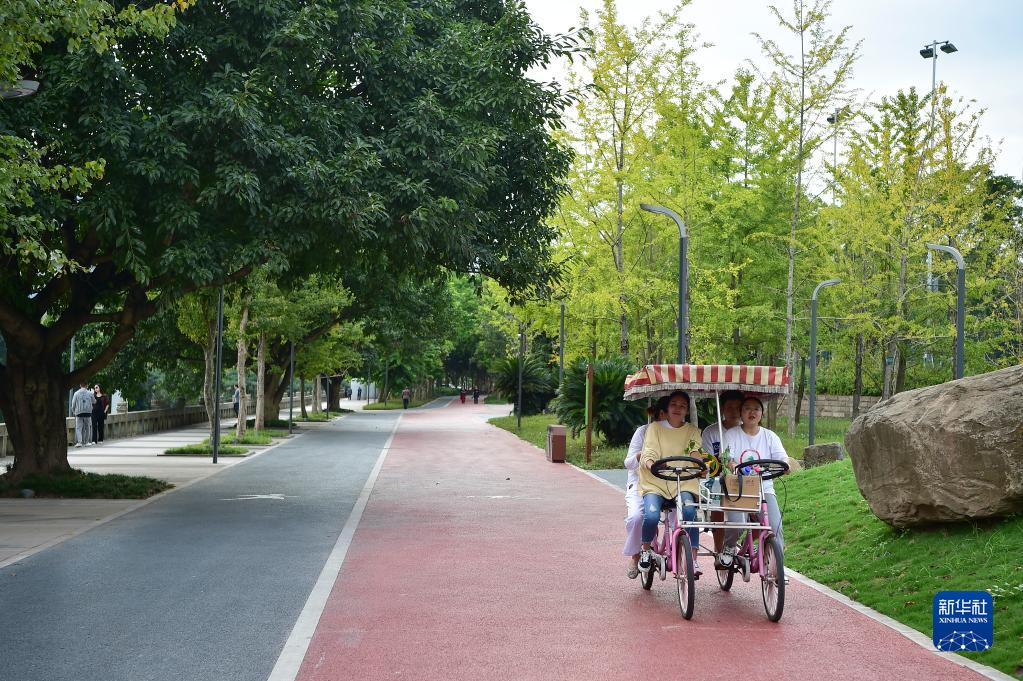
[908, 632]
[247, 497]
[290, 660]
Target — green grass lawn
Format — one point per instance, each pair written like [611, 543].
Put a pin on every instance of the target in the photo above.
[534, 430]
[825, 430]
[315, 416]
[832, 537]
[80, 485]
[396, 404]
[204, 449]
[495, 399]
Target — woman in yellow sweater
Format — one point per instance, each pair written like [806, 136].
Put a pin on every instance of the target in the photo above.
[672, 439]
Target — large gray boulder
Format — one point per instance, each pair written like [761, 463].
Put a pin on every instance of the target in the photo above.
[949, 452]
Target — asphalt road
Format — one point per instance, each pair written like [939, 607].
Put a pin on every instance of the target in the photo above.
[205, 583]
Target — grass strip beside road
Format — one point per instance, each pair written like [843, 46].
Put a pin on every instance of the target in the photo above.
[534, 430]
[832, 536]
[397, 404]
[205, 449]
[81, 485]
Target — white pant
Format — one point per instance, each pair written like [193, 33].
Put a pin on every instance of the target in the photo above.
[773, 518]
[634, 523]
[83, 429]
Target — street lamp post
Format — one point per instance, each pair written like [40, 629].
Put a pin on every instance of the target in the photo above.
[813, 351]
[522, 351]
[930, 51]
[291, 391]
[242, 412]
[561, 349]
[960, 305]
[683, 277]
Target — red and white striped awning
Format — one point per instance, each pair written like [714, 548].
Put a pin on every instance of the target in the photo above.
[703, 380]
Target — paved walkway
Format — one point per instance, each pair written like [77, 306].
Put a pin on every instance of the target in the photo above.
[478, 559]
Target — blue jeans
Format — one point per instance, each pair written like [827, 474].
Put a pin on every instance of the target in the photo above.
[652, 504]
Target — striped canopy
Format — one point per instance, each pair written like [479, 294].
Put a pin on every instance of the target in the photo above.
[703, 380]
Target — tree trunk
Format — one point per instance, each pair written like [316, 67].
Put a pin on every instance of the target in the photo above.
[261, 384]
[858, 376]
[243, 356]
[301, 383]
[33, 399]
[317, 399]
[334, 391]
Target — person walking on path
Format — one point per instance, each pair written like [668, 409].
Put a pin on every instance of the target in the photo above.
[406, 395]
[475, 395]
[236, 400]
[81, 406]
[100, 409]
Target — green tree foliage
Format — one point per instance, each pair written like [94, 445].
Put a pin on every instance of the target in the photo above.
[282, 132]
[614, 418]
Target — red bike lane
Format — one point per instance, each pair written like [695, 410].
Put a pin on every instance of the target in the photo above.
[476, 558]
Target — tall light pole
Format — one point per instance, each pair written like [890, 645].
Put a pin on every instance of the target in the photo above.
[522, 351]
[561, 348]
[242, 413]
[930, 51]
[960, 305]
[291, 391]
[813, 351]
[683, 277]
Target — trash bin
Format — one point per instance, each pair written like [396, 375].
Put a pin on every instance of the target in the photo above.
[556, 443]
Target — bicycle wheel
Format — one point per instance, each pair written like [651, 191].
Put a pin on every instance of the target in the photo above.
[772, 580]
[685, 581]
[647, 578]
[725, 578]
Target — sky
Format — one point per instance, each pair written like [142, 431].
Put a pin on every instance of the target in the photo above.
[988, 67]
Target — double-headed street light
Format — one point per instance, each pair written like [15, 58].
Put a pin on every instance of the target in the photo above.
[683, 277]
[813, 351]
[833, 120]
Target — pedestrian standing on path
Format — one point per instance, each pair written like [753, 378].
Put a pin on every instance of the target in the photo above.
[81, 407]
[360, 392]
[475, 395]
[236, 400]
[100, 409]
[406, 395]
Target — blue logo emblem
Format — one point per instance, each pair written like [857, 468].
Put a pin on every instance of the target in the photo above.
[963, 620]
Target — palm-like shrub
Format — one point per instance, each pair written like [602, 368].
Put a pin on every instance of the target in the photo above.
[537, 383]
[613, 417]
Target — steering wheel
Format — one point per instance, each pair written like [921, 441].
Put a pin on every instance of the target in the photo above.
[672, 468]
[769, 468]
